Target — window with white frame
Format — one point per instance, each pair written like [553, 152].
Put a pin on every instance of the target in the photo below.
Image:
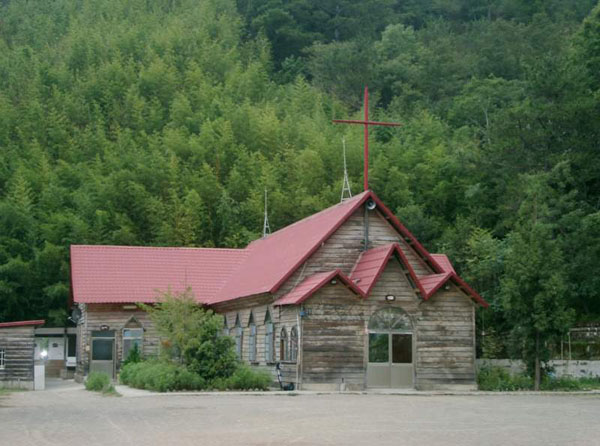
[283, 345]
[252, 339]
[293, 344]
[269, 338]
[132, 337]
[2, 359]
[239, 332]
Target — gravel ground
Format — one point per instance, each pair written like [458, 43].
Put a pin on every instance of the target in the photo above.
[66, 415]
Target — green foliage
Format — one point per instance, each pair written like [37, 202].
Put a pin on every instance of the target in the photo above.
[161, 123]
[160, 376]
[246, 378]
[498, 379]
[100, 382]
[134, 356]
[194, 336]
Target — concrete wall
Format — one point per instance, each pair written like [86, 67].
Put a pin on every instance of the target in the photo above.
[576, 369]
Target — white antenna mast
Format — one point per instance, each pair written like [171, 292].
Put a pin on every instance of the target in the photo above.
[266, 227]
[346, 185]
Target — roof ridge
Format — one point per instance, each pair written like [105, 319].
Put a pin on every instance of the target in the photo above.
[176, 248]
[315, 215]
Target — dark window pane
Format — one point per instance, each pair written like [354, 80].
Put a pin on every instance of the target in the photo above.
[402, 348]
[72, 345]
[103, 334]
[102, 349]
[378, 347]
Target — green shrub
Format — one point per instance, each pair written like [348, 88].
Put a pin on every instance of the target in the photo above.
[498, 379]
[160, 376]
[134, 355]
[245, 378]
[590, 383]
[563, 383]
[98, 382]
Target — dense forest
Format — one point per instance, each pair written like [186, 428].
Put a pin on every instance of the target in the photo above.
[160, 122]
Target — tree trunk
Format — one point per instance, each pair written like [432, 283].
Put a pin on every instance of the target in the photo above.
[537, 379]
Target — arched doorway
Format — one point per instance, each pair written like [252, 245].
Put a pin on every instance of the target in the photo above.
[390, 362]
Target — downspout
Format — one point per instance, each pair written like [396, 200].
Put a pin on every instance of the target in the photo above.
[300, 348]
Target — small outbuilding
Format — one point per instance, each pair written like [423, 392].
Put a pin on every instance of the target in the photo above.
[17, 347]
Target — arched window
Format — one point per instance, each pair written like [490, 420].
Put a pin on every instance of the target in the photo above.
[252, 339]
[133, 337]
[390, 319]
[293, 344]
[239, 333]
[283, 346]
[269, 338]
[390, 337]
[225, 327]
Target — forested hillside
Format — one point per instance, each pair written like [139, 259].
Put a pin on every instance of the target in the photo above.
[161, 122]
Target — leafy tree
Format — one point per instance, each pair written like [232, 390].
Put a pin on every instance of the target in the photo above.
[534, 288]
[194, 335]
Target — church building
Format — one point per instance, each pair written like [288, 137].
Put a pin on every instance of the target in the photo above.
[344, 299]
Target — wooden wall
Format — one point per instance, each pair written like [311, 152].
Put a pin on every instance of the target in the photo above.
[113, 315]
[18, 345]
[333, 340]
[281, 317]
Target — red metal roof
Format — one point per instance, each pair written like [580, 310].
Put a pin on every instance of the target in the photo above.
[22, 323]
[433, 282]
[119, 274]
[444, 262]
[136, 274]
[371, 264]
[313, 283]
[273, 259]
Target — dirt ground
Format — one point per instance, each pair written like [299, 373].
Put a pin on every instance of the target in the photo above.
[66, 415]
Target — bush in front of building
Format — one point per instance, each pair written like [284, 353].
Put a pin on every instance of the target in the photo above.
[160, 376]
[194, 336]
[194, 355]
[100, 382]
[244, 378]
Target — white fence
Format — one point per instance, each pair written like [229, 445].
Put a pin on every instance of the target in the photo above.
[576, 369]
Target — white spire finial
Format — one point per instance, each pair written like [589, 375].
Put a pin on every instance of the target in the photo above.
[266, 227]
[346, 185]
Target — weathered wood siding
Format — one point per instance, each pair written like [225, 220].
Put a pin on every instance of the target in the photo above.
[280, 316]
[333, 340]
[445, 345]
[443, 327]
[113, 315]
[18, 345]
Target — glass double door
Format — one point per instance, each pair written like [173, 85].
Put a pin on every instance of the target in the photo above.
[390, 359]
[103, 352]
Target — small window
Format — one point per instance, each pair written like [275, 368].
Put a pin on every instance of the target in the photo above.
[225, 327]
[239, 333]
[132, 337]
[269, 341]
[293, 344]
[252, 339]
[283, 346]
[2, 359]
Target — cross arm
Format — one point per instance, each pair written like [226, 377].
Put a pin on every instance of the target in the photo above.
[352, 121]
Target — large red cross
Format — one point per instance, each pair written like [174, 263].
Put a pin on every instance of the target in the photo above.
[366, 123]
